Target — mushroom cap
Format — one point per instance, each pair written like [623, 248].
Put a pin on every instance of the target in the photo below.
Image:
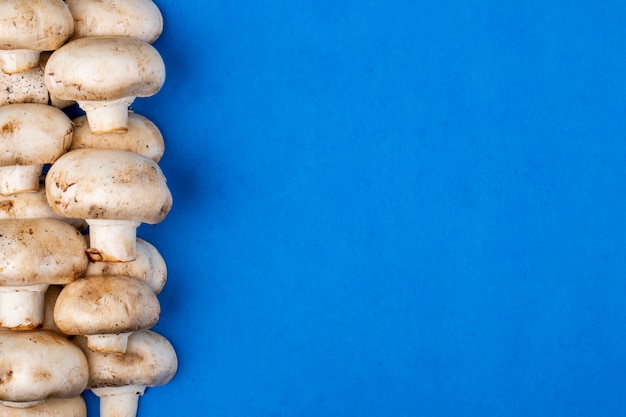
[40, 251]
[140, 19]
[106, 304]
[53, 407]
[142, 137]
[104, 68]
[149, 361]
[37, 365]
[108, 184]
[148, 266]
[37, 25]
[32, 206]
[33, 133]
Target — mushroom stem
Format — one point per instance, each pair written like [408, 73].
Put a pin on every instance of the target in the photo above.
[21, 308]
[107, 116]
[109, 343]
[19, 179]
[119, 401]
[18, 60]
[112, 240]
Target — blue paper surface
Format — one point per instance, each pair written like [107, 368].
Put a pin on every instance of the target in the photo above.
[393, 208]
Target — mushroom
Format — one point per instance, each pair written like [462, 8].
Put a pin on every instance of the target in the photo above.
[32, 206]
[148, 266]
[119, 380]
[140, 19]
[142, 137]
[106, 309]
[29, 27]
[37, 365]
[31, 135]
[53, 407]
[35, 253]
[25, 87]
[114, 191]
[104, 75]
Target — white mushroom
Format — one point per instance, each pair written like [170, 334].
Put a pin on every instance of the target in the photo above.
[140, 19]
[29, 27]
[119, 380]
[33, 206]
[114, 191]
[106, 309]
[53, 407]
[31, 135]
[142, 137]
[104, 75]
[35, 253]
[148, 266]
[38, 365]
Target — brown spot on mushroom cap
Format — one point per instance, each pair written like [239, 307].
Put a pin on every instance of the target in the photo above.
[150, 360]
[40, 251]
[38, 25]
[104, 68]
[37, 365]
[106, 304]
[108, 184]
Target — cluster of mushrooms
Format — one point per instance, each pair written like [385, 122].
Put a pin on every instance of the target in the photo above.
[78, 288]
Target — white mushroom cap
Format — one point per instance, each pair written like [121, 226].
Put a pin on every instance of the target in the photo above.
[29, 27]
[118, 380]
[53, 407]
[140, 19]
[25, 87]
[148, 266]
[33, 206]
[31, 135]
[104, 75]
[142, 137]
[35, 253]
[109, 188]
[104, 306]
[38, 365]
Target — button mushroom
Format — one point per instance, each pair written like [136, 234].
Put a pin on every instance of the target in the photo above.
[32, 206]
[29, 27]
[104, 75]
[140, 19]
[119, 380]
[148, 266]
[31, 135]
[106, 309]
[37, 365]
[114, 191]
[35, 253]
[53, 407]
[142, 137]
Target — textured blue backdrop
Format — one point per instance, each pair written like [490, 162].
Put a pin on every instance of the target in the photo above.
[393, 208]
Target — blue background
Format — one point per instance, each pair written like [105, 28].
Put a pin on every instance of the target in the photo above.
[393, 208]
